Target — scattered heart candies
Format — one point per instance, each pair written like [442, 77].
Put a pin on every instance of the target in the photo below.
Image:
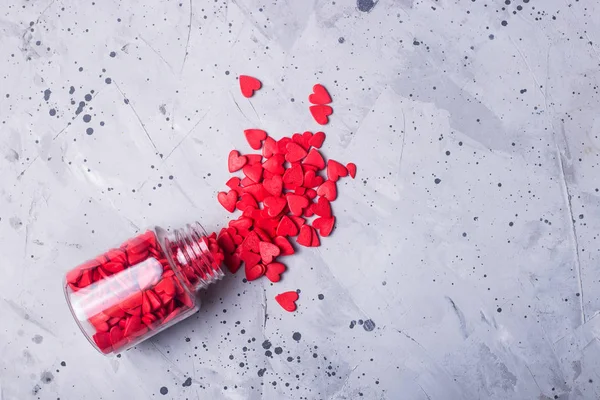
[281, 195]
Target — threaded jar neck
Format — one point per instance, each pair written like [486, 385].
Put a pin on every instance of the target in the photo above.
[189, 253]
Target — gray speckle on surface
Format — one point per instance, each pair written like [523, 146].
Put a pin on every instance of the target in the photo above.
[37, 339]
[436, 102]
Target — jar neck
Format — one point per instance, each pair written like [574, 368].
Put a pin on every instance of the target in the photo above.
[188, 251]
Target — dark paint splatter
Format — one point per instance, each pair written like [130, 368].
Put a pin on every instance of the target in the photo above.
[71, 90]
[266, 345]
[352, 324]
[261, 372]
[47, 377]
[365, 5]
[369, 325]
[278, 350]
[164, 390]
[47, 93]
[87, 118]
[296, 336]
[188, 382]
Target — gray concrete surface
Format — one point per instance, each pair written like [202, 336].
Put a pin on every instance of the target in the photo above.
[469, 238]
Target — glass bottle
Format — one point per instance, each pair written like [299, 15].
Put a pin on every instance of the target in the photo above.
[129, 294]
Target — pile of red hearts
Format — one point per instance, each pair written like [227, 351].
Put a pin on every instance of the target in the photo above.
[281, 195]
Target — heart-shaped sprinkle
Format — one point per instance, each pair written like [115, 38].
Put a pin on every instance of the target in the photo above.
[300, 190]
[305, 236]
[317, 140]
[284, 245]
[312, 180]
[320, 95]
[315, 242]
[295, 152]
[274, 271]
[322, 207]
[255, 137]
[274, 205]
[251, 243]
[274, 185]
[233, 262]
[234, 184]
[235, 161]
[254, 172]
[294, 176]
[287, 300]
[228, 200]
[324, 225]
[314, 158]
[275, 164]
[351, 167]
[248, 85]
[246, 201]
[328, 190]
[269, 147]
[254, 272]
[226, 242]
[254, 159]
[286, 227]
[335, 170]
[321, 114]
[268, 251]
[263, 236]
[249, 258]
[296, 203]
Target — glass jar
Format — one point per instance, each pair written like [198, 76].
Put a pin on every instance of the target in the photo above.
[129, 294]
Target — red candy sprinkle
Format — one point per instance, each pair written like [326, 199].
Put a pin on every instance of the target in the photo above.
[287, 300]
[248, 85]
[319, 95]
[235, 162]
[255, 137]
[321, 113]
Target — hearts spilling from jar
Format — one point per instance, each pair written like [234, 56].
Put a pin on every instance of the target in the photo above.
[284, 195]
[130, 290]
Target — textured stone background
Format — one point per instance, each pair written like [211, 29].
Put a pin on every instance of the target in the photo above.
[469, 239]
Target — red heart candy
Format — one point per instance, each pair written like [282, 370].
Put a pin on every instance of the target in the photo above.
[251, 243]
[233, 262]
[234, 184]
[314, 158]
[305, 236]
[300, 140]
[317, 140]
[235, 162]
[322, 207]
[296, 203]
[228, 200]
[274, 205]
[257, 191]
[320, 95]
[116, 335]
[286, 227]
[321, 114]
[311, 179]
[315, 242]
[253, 172]
[132, 326]
[268, 251]
[328, 190]
[282, 144]
[299, 221]
[324, 225]
[284, 245]
[241, 224]
[248, 85]
[274, 185]
[308, 212]
[294, 176]
[249, 258]
[287, 300]
[254, 159]
[102, 340]
[295, 152]
[311, 193]
[269, 225]
[226, 242]
[300, 190]
[247, 182]
[246, 201]
[263, 236]
[335, 170]
[307, 136]
[255, 137]
[275, 164]
[269, 147]
[254, 272]
[274, 271]
[351, 167]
